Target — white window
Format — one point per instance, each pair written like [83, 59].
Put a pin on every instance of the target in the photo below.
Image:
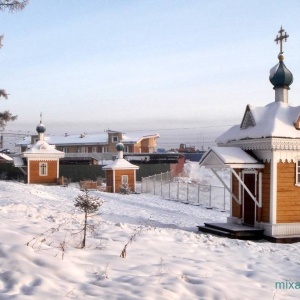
[124, 179]
[115, 139]
[94, 149]
[65, 149]
[126, 149]
[43, 169]
[84, 150]
[104, 149]
[78, 150]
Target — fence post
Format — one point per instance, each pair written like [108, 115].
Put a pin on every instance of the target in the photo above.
[142, 185]
[224, 199]
[209, 206]
[187, 192]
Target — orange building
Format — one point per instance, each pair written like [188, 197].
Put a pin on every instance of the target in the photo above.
[120, 172]
[40, 163]
[263, 154]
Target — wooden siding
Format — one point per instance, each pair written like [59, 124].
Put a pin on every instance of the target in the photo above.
[34, 172]
[236, 208]
[266, 181]
[288, 195]
[118, 176]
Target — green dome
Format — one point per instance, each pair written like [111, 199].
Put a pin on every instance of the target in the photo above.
[41, 128]
[120, 147]
[281, 76]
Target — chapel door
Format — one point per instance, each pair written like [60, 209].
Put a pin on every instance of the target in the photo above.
[109, 183]
[249, 204]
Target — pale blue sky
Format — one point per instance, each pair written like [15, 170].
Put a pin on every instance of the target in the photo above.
[92, 64]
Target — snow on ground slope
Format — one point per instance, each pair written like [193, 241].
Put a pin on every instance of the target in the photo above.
[169, 259]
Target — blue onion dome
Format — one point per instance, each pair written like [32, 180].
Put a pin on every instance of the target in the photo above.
[120, 147]
[41, 128]
[280, 75]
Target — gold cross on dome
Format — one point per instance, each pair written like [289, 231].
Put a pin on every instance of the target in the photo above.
[281, 37]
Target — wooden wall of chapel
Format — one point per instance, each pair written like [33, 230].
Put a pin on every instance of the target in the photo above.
[288, 194]
[35, 177]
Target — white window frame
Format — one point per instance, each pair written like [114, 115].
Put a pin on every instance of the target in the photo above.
[297, 179]
[65, 149]
[114, 139]
[94, 149]
[126, 149]
[124, 179]
[84, 150]
[43, 169]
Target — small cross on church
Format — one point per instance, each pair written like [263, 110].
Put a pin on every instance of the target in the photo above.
[280, 38]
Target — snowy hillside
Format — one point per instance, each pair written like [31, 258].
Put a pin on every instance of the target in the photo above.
[168, 258]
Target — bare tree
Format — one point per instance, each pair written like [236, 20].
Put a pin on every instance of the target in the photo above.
[5, 117]
[13, 5]
[3, 94]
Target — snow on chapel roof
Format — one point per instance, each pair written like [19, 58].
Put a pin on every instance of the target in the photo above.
[41, 147]
[233, 157]
[120, 163]
[276, 119]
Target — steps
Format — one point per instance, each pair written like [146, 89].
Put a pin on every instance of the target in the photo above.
[234, 231]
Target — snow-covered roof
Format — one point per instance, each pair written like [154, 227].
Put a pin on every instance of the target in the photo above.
[274, 120]
[73, 139]
[233, 157]
[42, 147]
[120, 164]
[92, 139]
[5, 157]
[136, 137]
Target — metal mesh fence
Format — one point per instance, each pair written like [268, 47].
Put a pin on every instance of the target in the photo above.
[185, 191]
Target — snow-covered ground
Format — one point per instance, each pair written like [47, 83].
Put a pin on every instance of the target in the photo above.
[168, 259]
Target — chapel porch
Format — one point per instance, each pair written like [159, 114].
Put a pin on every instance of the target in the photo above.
[233, 231]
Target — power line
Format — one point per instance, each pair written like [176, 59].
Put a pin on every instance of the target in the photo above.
[182, 128]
